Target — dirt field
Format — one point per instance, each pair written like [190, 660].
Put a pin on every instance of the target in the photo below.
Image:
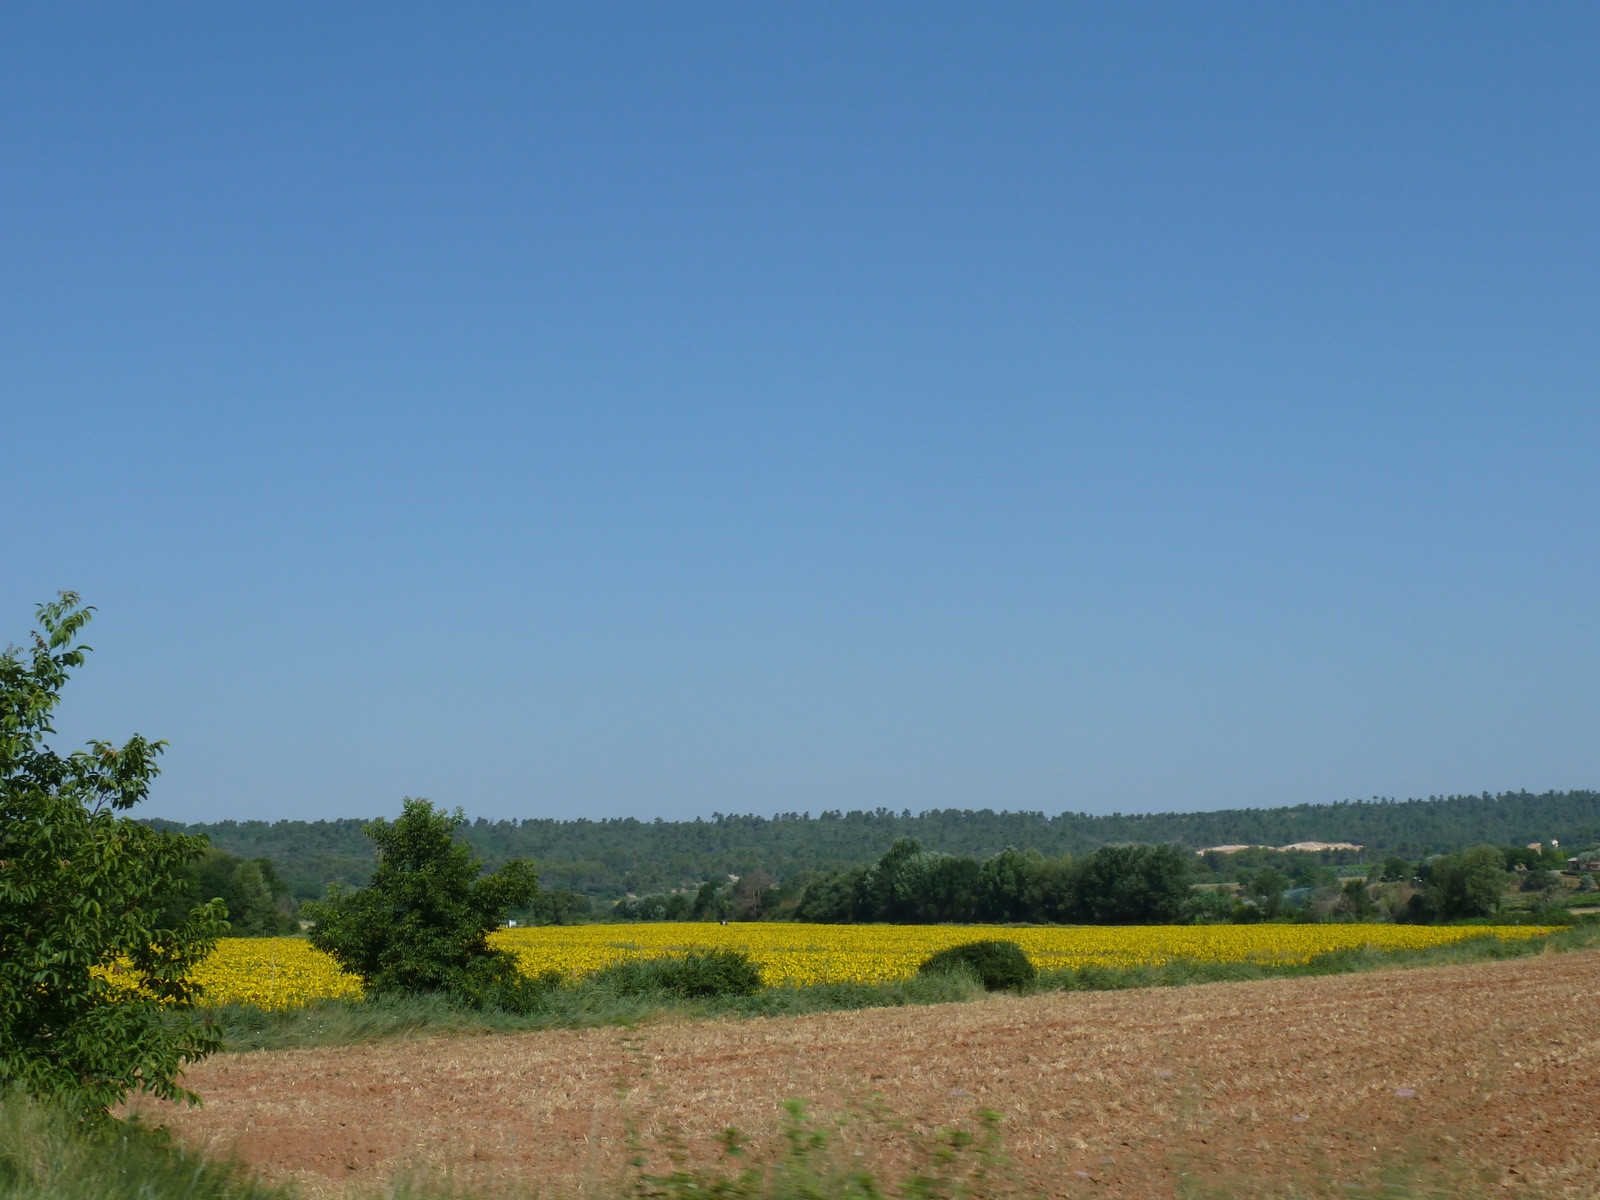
[1491, 1068]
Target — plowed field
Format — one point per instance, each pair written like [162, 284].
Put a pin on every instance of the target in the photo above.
[1493, 1068]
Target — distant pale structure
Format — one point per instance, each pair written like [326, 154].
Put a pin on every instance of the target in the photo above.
[1320, 846]
[1311, 846]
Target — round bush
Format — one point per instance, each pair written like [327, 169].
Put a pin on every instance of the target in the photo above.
[697, 974]
[712, 973]
[996, 964]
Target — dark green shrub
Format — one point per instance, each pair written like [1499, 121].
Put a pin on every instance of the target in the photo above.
[1209, 906]
[700, 974]
[996, 964]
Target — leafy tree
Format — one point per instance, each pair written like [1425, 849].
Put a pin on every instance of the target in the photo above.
[713, 902]
[423, 923]
[257, 901]
[1355, 900]
[754, 896]
[1521, 856]
[1267, 887]
[953, 888]
[80, 890]
[558, 907]
[1467, 884]
[1122, 885]
[641, 908]
[1005, 880]
[893, 886]
[1394, 869]
[1540, 880]
[1208, 906]
[833, 899]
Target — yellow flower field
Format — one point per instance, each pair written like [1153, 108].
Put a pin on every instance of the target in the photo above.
[270, 972]
[802, 954]
[281, 972]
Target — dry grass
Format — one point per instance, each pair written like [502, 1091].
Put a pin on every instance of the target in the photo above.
[1482, 1075]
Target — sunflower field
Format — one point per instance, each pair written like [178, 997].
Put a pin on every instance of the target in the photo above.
[282, 972]
[793, 953]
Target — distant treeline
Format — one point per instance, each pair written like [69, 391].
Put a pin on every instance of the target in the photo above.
[1115, 885]
[607, 859]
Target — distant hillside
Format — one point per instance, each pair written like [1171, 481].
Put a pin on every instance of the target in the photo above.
[607, 858]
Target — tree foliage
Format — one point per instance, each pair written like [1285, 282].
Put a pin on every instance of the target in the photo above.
[1115, 884]
[1468, 884]
[609, 858]
[1125, 885]
[81, 900]
[257, 900]
[422, 924]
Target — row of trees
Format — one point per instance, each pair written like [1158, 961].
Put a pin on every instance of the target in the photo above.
[614, 857]
[257, 900]
[1113, 885]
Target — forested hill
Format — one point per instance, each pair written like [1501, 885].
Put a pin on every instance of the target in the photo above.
[607, 858]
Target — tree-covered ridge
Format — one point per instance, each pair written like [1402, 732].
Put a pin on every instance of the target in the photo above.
[610, 857]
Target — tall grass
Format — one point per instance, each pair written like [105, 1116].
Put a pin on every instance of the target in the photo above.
[48, 1154]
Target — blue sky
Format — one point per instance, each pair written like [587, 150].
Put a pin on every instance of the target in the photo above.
[613, 410]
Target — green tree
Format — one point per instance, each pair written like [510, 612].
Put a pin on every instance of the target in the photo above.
[257, 901]
[423, 923]
[1394, 869]
[1267, 887]
[713, 902]
[893, 886]
[1540, 880]
[1120, 885]
[80, 891]
[1355, 900]
[558, 907]
[834, 899]
[953, 888]
[1468, 884]
[1209, 906]
[1005, 881]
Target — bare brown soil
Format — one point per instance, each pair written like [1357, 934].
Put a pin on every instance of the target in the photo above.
[1492, 1069]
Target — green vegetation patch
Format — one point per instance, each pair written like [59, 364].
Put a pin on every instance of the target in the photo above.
[996, 965]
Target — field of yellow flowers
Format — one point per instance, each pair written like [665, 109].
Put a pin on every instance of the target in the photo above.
[804, 954]
[281, 972]
[272, 972]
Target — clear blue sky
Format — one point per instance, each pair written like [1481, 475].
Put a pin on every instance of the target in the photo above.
[653, 410]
